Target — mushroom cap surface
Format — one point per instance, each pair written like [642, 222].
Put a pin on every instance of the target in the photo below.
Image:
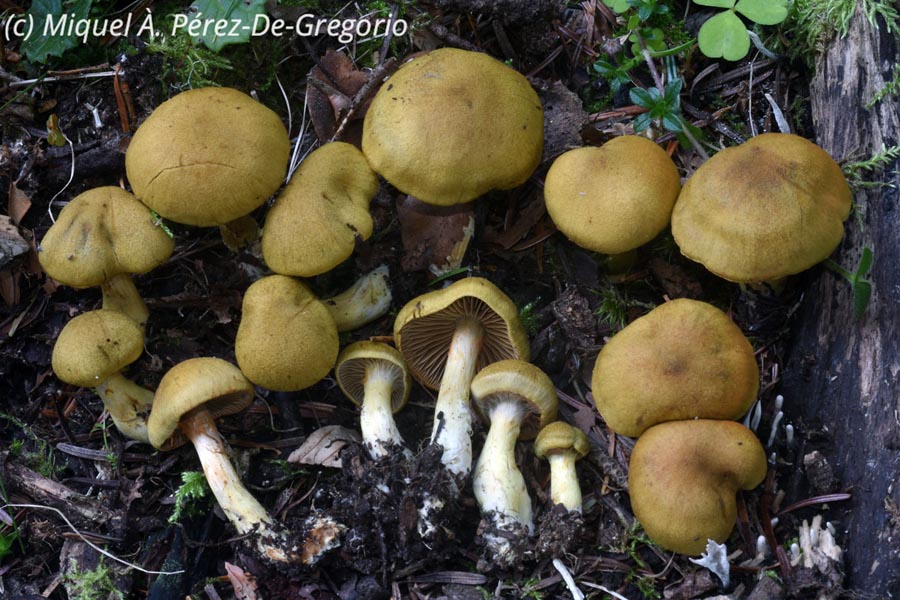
[683, 477]
[525, 383]
[102, 233]
[213, 383]
[615, 197]
[207, 156]
[315, 221]
[559, 437]
[771, 207]
[286, 340]
[451, 125]
[685, 359]
[424, 328]
[355, 360]
[96, 345]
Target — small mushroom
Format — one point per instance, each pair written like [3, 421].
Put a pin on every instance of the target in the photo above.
[91, 350]
[562, 445]
[101, 238]
[517, 399]
[683, 477]
[368, 299]
[374, 376]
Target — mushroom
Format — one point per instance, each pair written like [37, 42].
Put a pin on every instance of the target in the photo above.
[771, 207]
[562, 445]
[489, 134]
[685, 359]
[315, 221]
[91, 350]
[374, 376]
[207, 156]
[446, 336]
[101, 237]
[368, 299]
[518, 399]
[683, 477]
[615, 197]
[189, 399]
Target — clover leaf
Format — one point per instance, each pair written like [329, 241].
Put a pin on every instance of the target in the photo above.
[725, 35]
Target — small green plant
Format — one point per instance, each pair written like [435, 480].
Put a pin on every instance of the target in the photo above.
[725, 35]
[239, 14]
[97, 584]
[42, 460]
[192, 489]
[39, 48]
[891, 88]
[857, 171]
[529, 319]
[16, 446]
[861, 288]
[614, 305]
[187, 64]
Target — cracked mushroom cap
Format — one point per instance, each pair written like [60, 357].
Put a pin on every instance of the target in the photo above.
[424, 328]
[685, 359]
[96, 345]
[615, 197]
[451, 125]
[771, 207]
[558, 437]
[207, 156]
[315, 221]
[520, 381]
[357, 358]
[286, 340]
[683, 477]
[212, 383]
[102, 233]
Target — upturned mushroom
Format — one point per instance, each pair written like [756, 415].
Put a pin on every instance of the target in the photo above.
[683, 477]
[91, 350]
[374, 377]
[101, 238]
[685, 359]
[517, 399]
[448, 335]
[562, 445]
[771, 207]
[489, 135]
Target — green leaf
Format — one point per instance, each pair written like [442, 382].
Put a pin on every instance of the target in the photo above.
[641, 122]
[619, 6]
[229, 11]
[724, 36]
[764, 12]
[862, 292]
[672, 122]
[38, 47]
[642, 97]
[716, 3]
[865, 263]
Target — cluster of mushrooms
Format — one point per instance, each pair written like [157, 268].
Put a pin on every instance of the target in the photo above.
[209, 157]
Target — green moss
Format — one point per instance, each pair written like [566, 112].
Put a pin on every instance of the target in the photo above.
[97, 584]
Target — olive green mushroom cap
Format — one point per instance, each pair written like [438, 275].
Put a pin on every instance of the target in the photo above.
[207, 156]
[451, 125]
[213, 383]
[558, 437]
[286, 340]
[771, 207]
[525, 383]
[685, 359]
[102, 233]
[683, 477]
[356, 359]
[424, 328]
[615, 197]
[96, 345]
[315, 221]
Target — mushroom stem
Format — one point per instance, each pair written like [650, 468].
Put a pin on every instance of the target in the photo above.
[120, 293]
[379, 431]
[564, 486]
[128, 405]
[369, 298]
[452, 417]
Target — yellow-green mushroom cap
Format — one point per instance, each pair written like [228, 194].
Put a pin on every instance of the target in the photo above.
[207, 156]
[771, 207]
[356, 359]
[515, 379]
[451, 125]
[558, 437]
[424, 327]
[213, 383]
[94, 346]
[286, 340]
[685, 359]
[615, 197]
[102, 233]
[683, 477]
[315, 221]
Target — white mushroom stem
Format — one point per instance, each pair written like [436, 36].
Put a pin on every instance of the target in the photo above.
[379, 430]
[120, 293]
[452, 417]
[564, 486]
[128, 404]
[369, 298]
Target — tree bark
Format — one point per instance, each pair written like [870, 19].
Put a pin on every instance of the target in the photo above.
[841, 374]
